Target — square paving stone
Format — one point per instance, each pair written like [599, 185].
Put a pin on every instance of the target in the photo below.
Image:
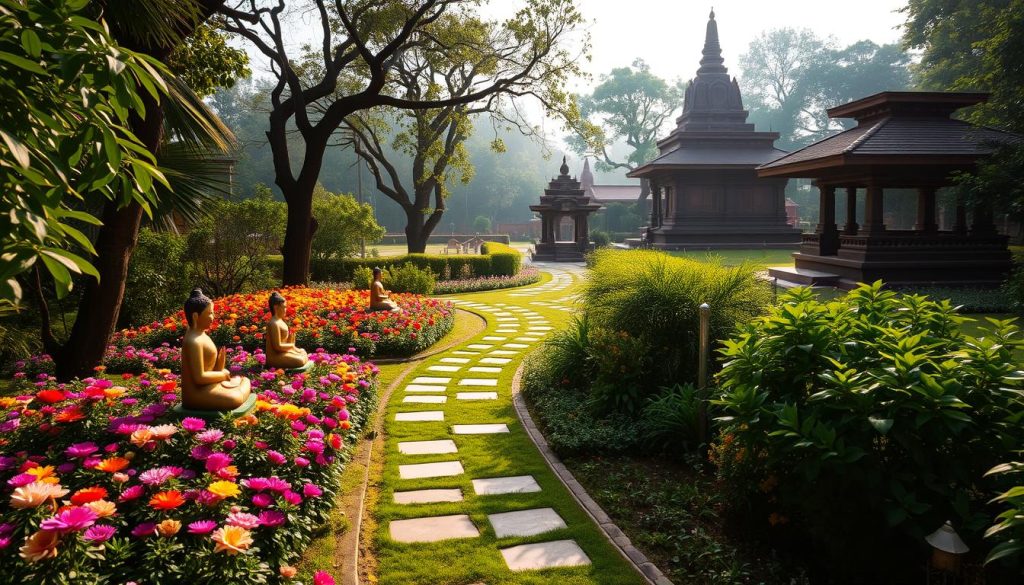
[433, 528]
[526, 522]
[425, 388]
[505, 319]
[461, 352]
[428, 496]
[425, 470]
[504, 352]
[539, 328]
[527, 339]
[431, 380]
[424, 399]
[444, 368]
[485, 370]
[476, 396]
[424, 415]
[518, 484]
[543, 555]
[508, 331]
[491, 360]
[451, 360]
[479, 346]
[427, 447]
[478, 382]
[485, 429]
[493, 338]
[515, 346]
[503, 314]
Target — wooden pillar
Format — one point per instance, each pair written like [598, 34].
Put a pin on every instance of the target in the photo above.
[851, 212]
[826, 229]
[874, 221]
[960, 223]
[926, 210]
[655, 203]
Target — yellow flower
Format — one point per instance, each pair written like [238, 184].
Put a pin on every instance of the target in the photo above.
[231, 539]
[41, 472]
[224, 489]
[36, 494]
[103, 508]
[40, 546]
[168, 528]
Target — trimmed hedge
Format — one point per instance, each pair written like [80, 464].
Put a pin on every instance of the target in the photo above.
[501, 261]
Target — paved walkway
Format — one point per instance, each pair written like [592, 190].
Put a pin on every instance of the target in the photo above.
[466, 496]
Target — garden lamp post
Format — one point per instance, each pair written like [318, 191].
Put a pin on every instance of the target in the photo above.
[702, 374]
[947, 551]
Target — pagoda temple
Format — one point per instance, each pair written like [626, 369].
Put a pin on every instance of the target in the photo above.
[564, 209]
[705, 191]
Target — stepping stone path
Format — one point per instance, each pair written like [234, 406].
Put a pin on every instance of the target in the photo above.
[474, 418]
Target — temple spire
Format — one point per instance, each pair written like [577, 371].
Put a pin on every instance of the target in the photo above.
[587, 178]
[564, 169]
[712, 60]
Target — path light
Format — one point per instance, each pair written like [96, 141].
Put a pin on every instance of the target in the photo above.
[947, 550]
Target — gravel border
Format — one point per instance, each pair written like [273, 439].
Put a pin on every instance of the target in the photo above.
[640, 561]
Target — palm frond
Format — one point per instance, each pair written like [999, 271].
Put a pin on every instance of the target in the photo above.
[153, 23]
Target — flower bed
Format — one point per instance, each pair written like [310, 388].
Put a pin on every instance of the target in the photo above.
[321, 318]
[99, 483]
[464, 285]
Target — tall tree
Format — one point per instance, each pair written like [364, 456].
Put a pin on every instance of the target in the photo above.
[630, 105]
[368, 39]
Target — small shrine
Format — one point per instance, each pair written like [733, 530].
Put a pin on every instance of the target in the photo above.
[564, 209]
[704, 189]
[903, 140]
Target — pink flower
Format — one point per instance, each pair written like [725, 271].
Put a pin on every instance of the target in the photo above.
[81, 450]
[292, 498]
[256, 483]
[302, 462]
[322, 578]
[130, 493]
[262, 500]
[277, 484]
[311, 491]
[99, 533]
[217, 461]
[210, 436]
[143, 530]
[70, 520]
[275, 457]
[193, 424]
[243, 520]
[202, 527]
[271, 518]
[153, 477]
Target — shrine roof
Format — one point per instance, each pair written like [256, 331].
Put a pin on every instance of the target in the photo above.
[690, 157]
[602, 193]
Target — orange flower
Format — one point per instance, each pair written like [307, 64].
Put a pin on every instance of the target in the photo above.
[70, 414]
[168, 528]
[141, 437]
[103, 508]
[40, 472]
[40, 546]
[168, 500]
[36, 494]
[89, 494]
[224, 489]
[231, 539]
[113, 464]
[288, 571]
[114, 392]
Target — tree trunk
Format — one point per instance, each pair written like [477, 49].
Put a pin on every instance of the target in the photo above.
[298, 235]
[645, 190]
[415, 233]
[420, 225]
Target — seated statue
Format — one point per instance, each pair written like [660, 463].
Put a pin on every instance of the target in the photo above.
[379, 300]
[205, 383]
[281, 349]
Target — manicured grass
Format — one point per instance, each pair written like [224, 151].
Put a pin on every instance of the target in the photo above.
[470, 560]
[758, 256]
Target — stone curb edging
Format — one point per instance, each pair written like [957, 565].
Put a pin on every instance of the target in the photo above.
[640, 562]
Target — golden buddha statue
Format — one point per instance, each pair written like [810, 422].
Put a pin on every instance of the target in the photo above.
[379, 299]
[205, 382]
[280, 348]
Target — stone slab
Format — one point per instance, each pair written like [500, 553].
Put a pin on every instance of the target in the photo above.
[505, 319]
[427, 447]
[539, 328]
[433, 528]
[527, 339]
[525, 522]
[444, 368]
[454, 360]
[515, 346]
[479, 346]
[428, 496]
[478, 382]
[493, 360]
[425, 470]
[544, 555]
[518, 484]
[509, 331]
[484, 429]
[430, 380]
[461, 352]
[425, 399]
[424, 415]
[476, 396]
[493, 338]
[503, 314]
[485, 370]
[504, 352]
[425, 388]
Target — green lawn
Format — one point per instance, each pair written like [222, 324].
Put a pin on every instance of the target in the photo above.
[759, 256]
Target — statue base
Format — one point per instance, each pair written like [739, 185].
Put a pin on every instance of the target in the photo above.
[305, 368]
[182, 412]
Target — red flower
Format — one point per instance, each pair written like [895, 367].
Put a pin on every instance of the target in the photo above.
[168, 500]
[50, 396]
[89, 494]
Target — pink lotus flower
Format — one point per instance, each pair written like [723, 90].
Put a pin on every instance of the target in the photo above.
[73, 519]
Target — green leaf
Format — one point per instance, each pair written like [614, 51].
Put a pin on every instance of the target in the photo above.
[23, 63]
[18, 150]
[73, 262]
[61, 276]
[882, 425]
[1003, 550]
[30, 42]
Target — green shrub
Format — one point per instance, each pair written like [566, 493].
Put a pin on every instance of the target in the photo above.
[868, 421]
[362, 277]
[158, 278]
[505, 260]
[407, 278]
[600, 239]
[670, 420]
[1009, 528]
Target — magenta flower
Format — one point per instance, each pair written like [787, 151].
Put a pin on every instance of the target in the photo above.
[152, 477]
[210, 436]
[275, 457]
[302, 462]
[256, 483]
[99, 533]
[262, 500]
[311, 491]
[272, 518]
[130, 493]
[201, 452]
[193, 424]
[202, 527]
[81, 450]
[143, 530]
[217, 461]
[322, 578]
[243, 520]
[292, 498]
[277, 484]
[70, 520]
[21, 479]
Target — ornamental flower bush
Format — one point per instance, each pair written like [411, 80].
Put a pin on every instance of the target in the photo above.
[464, 285]
[99, 482]
[326, 318]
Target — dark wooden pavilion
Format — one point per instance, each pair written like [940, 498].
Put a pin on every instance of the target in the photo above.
[902, 140]
[704, 186]
[564, 203]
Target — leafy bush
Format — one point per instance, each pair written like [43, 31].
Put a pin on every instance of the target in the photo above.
[971, 300]
[1013, 288]
[158, 278]
[600, 239]
[407, 278]
[853, 417]
[343, 223]
[526, 276]
[670, 420]
[505, 260]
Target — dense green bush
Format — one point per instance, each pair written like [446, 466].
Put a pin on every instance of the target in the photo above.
[158, 278]
[505, 260]
[600, 239]
[868, 421]
[405, 278]
[342, 224]
[671, 420]
[495, 260]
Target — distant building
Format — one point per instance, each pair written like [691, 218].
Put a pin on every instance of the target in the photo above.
[605, 194]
